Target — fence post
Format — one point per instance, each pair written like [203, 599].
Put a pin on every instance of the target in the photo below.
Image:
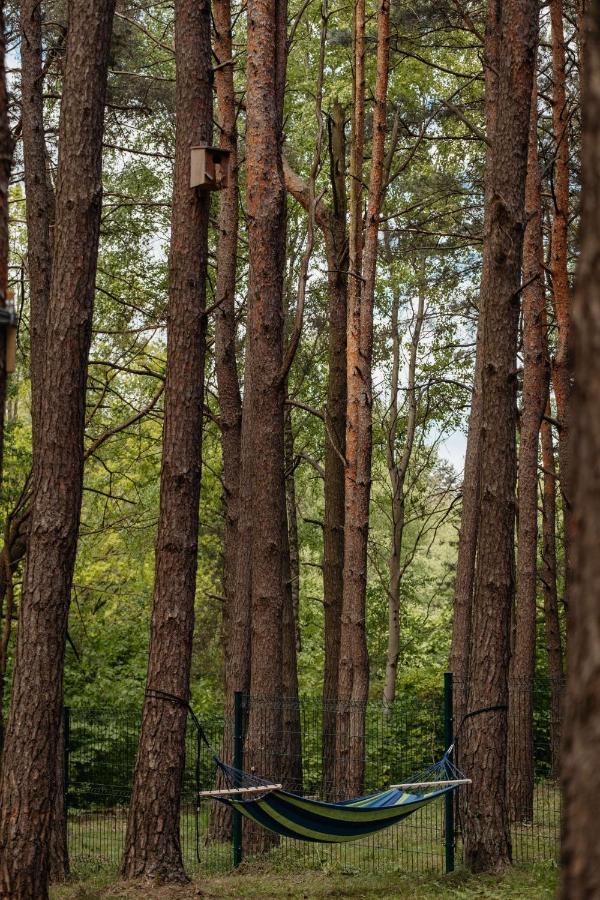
[67, 751]
[238, 762]
[449, 799]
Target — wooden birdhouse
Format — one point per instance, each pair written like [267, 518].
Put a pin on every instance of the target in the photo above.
[209, 168]
[8, 321]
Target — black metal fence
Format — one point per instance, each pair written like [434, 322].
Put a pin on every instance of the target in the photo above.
[398, 741]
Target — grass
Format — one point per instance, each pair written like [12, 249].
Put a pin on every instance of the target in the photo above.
[521, 883]
[415, 846]
[401, 862]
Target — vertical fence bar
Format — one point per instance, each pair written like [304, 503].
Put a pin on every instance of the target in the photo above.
[238, 762]
[449, 799]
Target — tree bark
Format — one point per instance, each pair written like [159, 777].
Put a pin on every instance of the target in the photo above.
[263, 412]
[152, 843]
[230, 401]
[561, 290]
[469, 525]
[486, 832]
[40, 218]
[39, 194]
[332, 222]
[336, 246]
[548, 576]
[6, 156]
[354, 663]
[27, 790]
[580, 873]
[535, 389]
[398, 469]
[225, 318]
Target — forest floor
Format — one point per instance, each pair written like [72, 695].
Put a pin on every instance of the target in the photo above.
[519, 883]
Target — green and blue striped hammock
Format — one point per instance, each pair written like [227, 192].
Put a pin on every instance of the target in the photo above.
[294, 816]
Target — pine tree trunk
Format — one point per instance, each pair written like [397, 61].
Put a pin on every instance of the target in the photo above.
[561, 291]
[225, 318]
[152, 843]
[354, 662]
[230, 401]
[336, 244]
[486, 831]
[548, 576]
[28, 774]
[332, 222]
[264, 394]
[40, 219]
[39, 194]
[398, 470]
[535, 388]
[580, 876]
[469, 525]
[6, 155]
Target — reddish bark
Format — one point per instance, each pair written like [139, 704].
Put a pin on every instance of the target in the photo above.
[28, 774]
[40, 218]
[225, 320]
[469, 525]
[535, 389]
[548, 577]
[580, 872]
[152, 843]
[263, 413]
[6, 155]
[39, 194]
[561, 290]
[354, 664]
[332, 222]
[486, 831]
[336, 244]
[230, 401]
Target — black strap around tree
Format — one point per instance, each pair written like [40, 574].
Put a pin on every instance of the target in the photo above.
[156, 694]
[478, 712]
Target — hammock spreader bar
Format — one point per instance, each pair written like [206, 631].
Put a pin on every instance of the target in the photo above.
[290, 815]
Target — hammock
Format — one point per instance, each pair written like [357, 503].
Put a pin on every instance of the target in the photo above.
[293, 816]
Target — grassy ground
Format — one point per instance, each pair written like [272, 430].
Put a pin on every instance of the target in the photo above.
[521, 883]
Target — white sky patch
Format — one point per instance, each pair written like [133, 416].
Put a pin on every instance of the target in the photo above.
[453, 447]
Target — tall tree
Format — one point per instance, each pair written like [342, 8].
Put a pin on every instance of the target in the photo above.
[264, 389]
[152, 843]
[581, 780]
[561, 290]
[469, 524]
[230, 401]
[6, 156]
[486, 832]
[552, 628]
[40, 218]
[336, 245]
[331, 219]
[39, 194]
[28, 772]
[535, 390]
[354, 663]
